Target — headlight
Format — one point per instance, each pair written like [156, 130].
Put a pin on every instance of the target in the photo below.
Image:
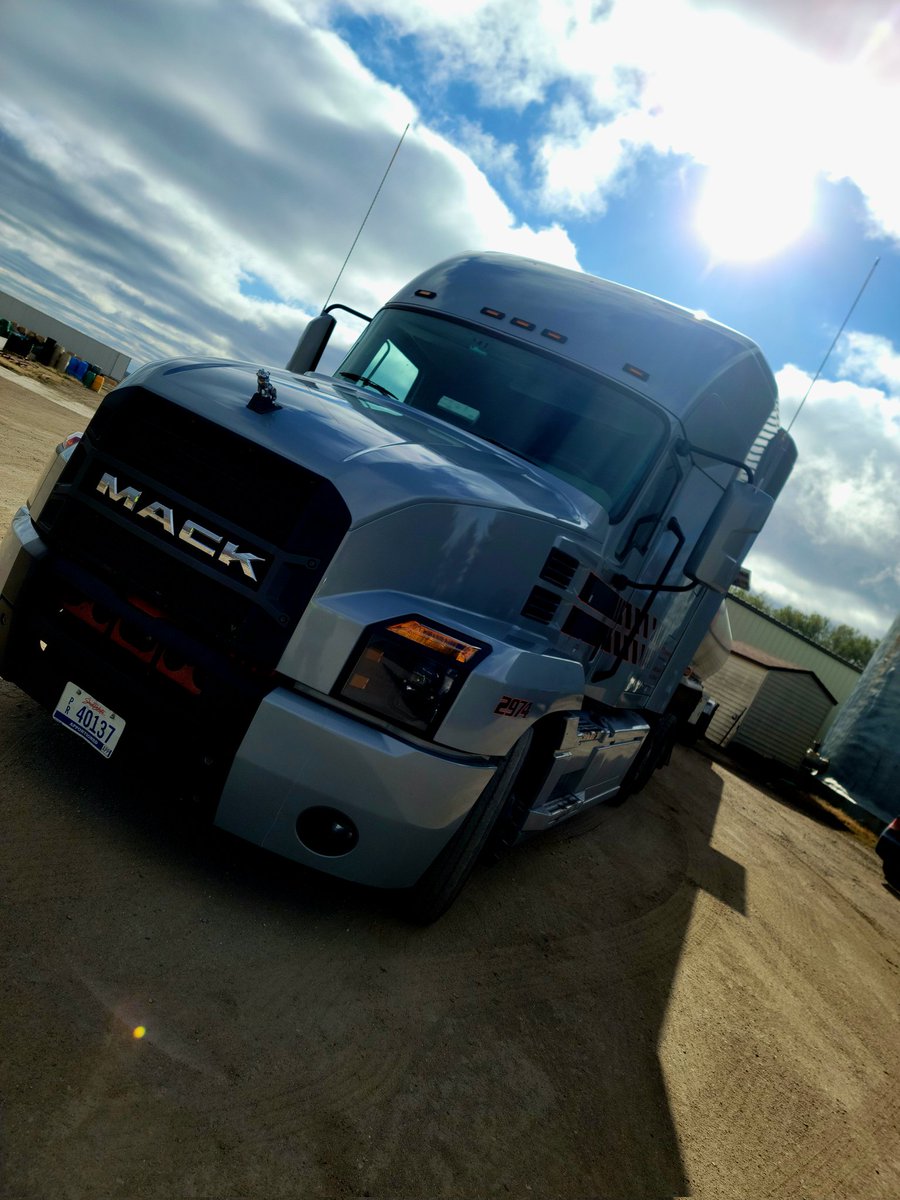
[409, 671]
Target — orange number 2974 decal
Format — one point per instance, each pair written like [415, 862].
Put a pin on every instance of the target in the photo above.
[513, 706]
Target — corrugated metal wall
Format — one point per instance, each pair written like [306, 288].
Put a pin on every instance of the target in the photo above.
[785, 717]
[756, 629]
[735, 687]
[110, 361]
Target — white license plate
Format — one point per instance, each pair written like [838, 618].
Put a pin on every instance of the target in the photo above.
[91, 720]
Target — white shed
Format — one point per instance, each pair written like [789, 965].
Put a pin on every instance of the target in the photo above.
[758, 629]
[767, 705]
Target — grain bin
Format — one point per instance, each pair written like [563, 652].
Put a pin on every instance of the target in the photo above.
[864, 742]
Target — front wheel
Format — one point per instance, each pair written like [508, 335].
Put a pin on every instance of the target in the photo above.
[443, 881]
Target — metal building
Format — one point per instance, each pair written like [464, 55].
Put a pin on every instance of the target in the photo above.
[773, 707]
[112, 363]
[753, 628]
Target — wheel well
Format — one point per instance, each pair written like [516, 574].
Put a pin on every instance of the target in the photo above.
[547, 737]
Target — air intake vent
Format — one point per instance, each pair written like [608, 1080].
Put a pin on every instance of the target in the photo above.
[559, 568]
[541, 605]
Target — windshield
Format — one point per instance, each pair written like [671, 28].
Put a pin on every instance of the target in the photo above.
[578, 425]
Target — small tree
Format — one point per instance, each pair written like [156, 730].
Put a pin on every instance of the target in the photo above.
[811, 625]
[848, 643]
[852, 645]
[753, 599]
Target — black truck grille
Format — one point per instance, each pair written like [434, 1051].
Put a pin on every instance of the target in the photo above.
[215, 497]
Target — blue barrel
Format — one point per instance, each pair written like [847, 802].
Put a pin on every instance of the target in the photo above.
[80, 369]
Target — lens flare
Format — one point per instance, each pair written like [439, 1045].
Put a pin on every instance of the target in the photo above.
[746, 214]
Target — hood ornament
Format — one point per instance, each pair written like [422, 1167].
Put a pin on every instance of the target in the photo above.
[263, 399]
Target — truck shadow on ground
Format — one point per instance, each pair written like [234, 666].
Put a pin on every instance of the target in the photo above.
[304, 1040]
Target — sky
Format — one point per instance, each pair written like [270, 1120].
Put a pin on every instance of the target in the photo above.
[187, 177]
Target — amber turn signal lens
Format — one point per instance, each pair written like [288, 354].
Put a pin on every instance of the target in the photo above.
[434, 639]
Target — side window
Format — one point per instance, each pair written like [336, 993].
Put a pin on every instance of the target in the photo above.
[391, 369]
[641, 530]
[732, 410]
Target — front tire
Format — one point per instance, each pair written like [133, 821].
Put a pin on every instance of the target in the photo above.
[443, 881]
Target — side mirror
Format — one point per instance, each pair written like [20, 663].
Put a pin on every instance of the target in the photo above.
[312, 343]
[728, 536]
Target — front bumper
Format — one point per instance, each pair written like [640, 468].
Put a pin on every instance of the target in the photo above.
[277, 754]
[406, 801]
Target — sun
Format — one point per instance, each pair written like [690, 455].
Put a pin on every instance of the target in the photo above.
[749, 212]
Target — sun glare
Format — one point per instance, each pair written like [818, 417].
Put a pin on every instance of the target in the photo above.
[747, 214]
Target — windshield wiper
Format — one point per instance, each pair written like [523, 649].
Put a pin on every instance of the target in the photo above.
[364, 379]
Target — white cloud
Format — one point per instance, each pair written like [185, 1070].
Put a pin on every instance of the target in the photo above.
[862, 33]
[833, 542]
[499, 159]
[221, 142]
[842, 604]
[872, 359]
[510, 52]
[585, 164]
[761, 97]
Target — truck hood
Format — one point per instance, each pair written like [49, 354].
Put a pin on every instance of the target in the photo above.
[378, 453]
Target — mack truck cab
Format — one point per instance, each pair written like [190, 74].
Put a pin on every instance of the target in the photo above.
[387, 619]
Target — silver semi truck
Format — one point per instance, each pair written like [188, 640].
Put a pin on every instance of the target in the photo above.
[389, 619]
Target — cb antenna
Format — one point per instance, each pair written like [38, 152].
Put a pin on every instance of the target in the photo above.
[366, 217]
[834, 343]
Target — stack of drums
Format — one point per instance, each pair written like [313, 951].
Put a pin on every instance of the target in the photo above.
[19, 343]
[44, 351]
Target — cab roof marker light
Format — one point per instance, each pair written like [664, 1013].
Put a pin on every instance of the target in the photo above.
[522, 324]
[426, 294]
[434, 639]
[553, 335]
[493, 312]
[636, 372]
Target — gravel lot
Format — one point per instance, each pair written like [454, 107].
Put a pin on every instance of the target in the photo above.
[694, 994]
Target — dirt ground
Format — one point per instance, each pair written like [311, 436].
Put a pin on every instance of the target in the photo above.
[697, 995]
